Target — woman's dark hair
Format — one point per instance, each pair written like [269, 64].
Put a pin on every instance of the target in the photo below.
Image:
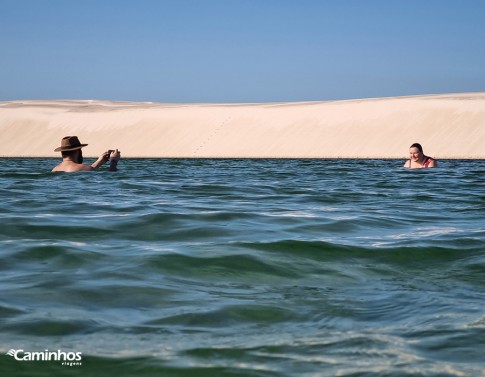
[417, 145]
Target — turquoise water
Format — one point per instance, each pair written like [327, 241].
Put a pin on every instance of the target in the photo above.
[244, 268]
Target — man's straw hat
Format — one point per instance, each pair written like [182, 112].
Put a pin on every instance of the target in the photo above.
[69, 143]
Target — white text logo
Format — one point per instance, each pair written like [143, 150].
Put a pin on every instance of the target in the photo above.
[67, 358]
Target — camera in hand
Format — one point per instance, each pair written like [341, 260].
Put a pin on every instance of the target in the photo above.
[109, 153]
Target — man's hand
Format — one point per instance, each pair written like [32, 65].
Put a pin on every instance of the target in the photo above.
[114, 155]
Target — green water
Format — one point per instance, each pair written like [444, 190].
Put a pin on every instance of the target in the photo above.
[244, 268]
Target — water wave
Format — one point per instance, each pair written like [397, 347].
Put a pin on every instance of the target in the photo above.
[245, 268]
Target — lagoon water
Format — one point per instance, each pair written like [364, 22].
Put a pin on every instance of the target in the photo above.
[191, 267]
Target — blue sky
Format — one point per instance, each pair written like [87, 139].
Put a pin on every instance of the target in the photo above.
[239, 50]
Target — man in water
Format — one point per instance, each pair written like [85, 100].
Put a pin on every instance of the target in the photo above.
[72, 157]
[418, 160]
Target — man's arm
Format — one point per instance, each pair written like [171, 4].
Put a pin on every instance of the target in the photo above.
[114, 158]
[101, 160]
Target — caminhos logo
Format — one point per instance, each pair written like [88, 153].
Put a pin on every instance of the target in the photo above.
[66, 358]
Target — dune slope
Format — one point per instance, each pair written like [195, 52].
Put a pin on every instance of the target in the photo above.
[448, 126]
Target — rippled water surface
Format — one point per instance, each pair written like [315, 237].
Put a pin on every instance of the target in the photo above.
[244, 268]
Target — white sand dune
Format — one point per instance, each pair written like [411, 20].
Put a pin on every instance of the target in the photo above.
[448, 126]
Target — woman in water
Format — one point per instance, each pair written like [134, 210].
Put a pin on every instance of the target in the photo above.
[418, 160]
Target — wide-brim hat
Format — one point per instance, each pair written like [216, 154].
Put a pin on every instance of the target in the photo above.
[69, 143]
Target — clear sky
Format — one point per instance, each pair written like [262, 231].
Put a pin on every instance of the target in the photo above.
[239, 50]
